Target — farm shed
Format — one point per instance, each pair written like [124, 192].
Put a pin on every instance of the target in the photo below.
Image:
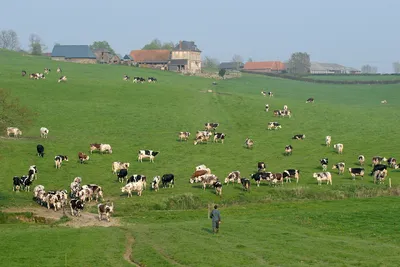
[331, 68]
[157, 59]
[265, 66]
[73, 53]
[231, 65]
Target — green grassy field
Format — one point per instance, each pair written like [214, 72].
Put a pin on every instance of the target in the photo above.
[350, 223]
[355, 77]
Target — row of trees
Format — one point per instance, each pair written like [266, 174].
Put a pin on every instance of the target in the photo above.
[9, 40]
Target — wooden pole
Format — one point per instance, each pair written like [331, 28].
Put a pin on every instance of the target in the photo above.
[390, 183]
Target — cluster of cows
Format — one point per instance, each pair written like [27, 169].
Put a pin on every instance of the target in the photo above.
[37, 75]
[139, 79]
[205, 135]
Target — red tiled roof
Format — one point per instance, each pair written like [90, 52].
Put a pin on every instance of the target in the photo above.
[273, 65]
[150, 55]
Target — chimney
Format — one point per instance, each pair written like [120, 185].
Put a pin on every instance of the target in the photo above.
[180, 45]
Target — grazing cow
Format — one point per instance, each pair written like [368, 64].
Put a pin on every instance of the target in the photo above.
[208, 179]
[126, 78]
[260, 176]
[122, 174]
[361, 159]
[198, 173]
[356, 172]
[202, 167]
[138, 80]
[183, 136]
[16, 183]
[245, 183]
[136, 178]
[59, 70]
[46, 70]
[339, 148]
[105, 148]
[261, 166]
[26, 182]
[33, 76]
[105, 209]
[274, 125]
[277, 112]
[210, 126]
[299, 137]
[168, 180]
[116, 166]
[288, 150]
[82, 157]
[324, 163]
[291, 173]
[147, 154]
[266, 107]
[59, 159]
[286, 112]
[310, 100]
[277, 178]
[155, 183]
[23, 73]
[219, 136]
[285, 107]
[379, 167]
[392, 163]
[264, 93]
[138, 187]
[203, 134]
[32, 172]
[77, 206]
[151, 80]
[40, 150]
[340, 167]
[62, 79]
[383, 102]
[323, 176]
[328, 140]
[44, 132]
[379, 176]
[14, 131]
[94, 147]
[378, 160]
[218, 188]
[248, 143]
[202, 138]
[270, 94]
[232, 177]
[37, 190]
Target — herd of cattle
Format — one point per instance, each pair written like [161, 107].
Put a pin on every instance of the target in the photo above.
[139, 79]
[38, 76]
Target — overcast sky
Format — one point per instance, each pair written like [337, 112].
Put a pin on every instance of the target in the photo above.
[351, 33]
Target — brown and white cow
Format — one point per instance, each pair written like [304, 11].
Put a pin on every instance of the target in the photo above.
[211, 126]
[361, 159]
[105, 148]
[232, 177]
[97, 191]
[82, 157]
[340, 167]
[94, 147]
[248, 143]
[14, 131]
[105, 209]
[183, 136]
[323, 176]
[195, 178]
[117, 165]
[379, 176]
[208, 179]
[378, 160]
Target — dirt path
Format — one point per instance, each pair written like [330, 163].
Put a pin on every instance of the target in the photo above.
[128, 250]
[86, 219]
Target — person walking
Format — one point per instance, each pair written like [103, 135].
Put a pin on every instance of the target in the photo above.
[215, 216]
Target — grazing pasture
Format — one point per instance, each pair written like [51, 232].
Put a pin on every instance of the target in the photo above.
[95, 105]
[338, 77]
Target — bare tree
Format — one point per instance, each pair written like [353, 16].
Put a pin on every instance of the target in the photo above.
[396, 67]
[9, 40]
[237, 58]
[209, 62]
[299, 63]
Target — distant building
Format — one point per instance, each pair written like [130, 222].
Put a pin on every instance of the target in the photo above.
[231, 65]
[265, 66]
[103, 56]
[115, 59]
[151, 58]
[331, 68]
[185, 57]
[127, 60]
[73, 53]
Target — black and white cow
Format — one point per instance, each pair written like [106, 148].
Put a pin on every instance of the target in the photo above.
[392, 163]
[32, 172]
[59, 70]
[136, 178]
[59, 159]
[219, 136]
[264, 93]
[47, 70]
[62, 79]
[299, 137]
[211, 126]
[261, 166]
[126, 78]
[324, 163]
[23, 73]
[261, 176]
[291, 173]
[245, 183]
[147, 154]
[340, 167]
[77, 206]
[151, 79]
[122, 174]
[270, 94]
[378, 160]
[273, 125]
[155, 184]
[218, 188]
[266, 107]
[356, 172]
[16, 183]
[378, 167]
[288, 150]
[168, 180]
[26, 182]
[138, 80]
[40, 150]
[310, 100]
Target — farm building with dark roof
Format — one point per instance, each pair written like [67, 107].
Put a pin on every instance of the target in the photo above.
[73, 53]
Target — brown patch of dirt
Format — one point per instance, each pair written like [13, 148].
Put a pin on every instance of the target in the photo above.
[85, 220]
[128, 250]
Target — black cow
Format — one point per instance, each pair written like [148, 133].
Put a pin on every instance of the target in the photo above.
[291, 173]
[378, 167]
[356, 172]
[40, 150]
[77, 206]
[16, 183]
[299, 137]
[310, 100]
[261, 166]
[324, 163]
[168, 179]
[245, 183]
[121, 175]
[219, 136]
[271, 94]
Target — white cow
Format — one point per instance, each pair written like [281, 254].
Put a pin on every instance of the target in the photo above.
[339, 148]
[14, 131]
[105, 148]
[328, 140]
[323, 176]
[134, 186]
[44, 132]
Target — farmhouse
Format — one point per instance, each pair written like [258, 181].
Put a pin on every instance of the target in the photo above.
[265, 66]
[73, 53]
[115, 59]
[157, 59]
[103, 56]
[185, 57]
[331, 68]
[231, 66]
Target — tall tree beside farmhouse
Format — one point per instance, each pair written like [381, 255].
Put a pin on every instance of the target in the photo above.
[299, 63]
[396, 67]
[12, 113]
[209, 62]
[9, 40]
[36, 45]
[102, 45]
[237, 58]
[368, 69]
[156, 44]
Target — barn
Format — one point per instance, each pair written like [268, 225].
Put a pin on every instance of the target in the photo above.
[157, 59]
[265, 66]
[74, 53]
